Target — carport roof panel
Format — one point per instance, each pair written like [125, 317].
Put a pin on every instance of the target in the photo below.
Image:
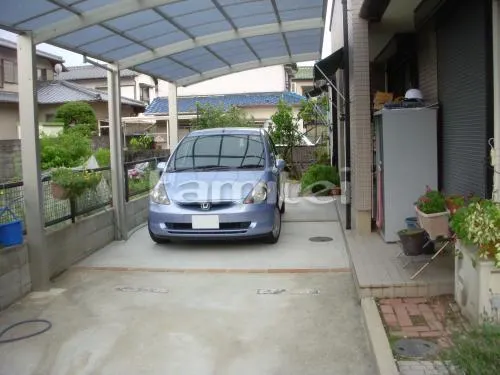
[189, 36]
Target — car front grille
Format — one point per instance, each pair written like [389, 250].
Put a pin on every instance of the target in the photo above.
[222, 226]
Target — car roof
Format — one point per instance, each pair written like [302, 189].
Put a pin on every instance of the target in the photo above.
[219, 131]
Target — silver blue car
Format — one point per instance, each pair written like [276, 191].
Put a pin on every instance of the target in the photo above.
[225, 183]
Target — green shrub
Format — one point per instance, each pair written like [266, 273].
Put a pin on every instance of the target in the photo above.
[76, 183]
[319, 177]
[103, 157]
[321, 156]
[476, 352]
[143, 142]
[68, 149]
[76, 113]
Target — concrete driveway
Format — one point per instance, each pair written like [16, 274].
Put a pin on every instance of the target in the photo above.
[238, 308]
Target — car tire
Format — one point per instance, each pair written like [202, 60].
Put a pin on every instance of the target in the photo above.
[282, 209]
[158, 240]
[274, 235]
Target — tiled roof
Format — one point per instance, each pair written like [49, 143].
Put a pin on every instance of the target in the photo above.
[13, 45]
[187, 104]
[304, 73]
[89, 72]
[58, 92]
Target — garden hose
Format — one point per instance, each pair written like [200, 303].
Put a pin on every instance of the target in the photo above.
[6, 341]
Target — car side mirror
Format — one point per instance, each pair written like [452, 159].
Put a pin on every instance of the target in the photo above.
[160, 167]
[280, 164]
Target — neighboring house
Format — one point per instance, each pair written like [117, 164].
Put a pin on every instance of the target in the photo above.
[51, 93]
[133, 85]
[303, 80]
[260, 106]
[442, 47]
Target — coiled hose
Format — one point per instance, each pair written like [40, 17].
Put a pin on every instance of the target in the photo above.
[6, 341]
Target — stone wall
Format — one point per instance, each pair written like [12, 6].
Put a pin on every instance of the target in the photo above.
[10, 159]
[137, 212]
[72, 243]
[15, 281]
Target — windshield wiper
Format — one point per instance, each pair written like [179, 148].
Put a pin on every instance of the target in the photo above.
[200, 168]
[250, 166]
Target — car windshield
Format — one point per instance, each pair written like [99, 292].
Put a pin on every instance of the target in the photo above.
[223, 151]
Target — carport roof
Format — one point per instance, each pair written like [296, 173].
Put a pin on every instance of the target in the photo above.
[181, 41]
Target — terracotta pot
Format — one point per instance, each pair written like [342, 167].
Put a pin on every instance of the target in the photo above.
[336, 191]
[436, 225]
[58, 192]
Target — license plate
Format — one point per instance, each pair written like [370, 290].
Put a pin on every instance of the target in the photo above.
[205, 222]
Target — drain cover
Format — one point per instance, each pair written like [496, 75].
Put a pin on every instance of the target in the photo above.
[415, 348]
[320, 239]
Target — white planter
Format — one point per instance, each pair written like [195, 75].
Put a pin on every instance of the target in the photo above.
[476, 283]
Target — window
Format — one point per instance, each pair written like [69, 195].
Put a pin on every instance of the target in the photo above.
[144, 93]
[50, 117]
[226, 151]
[9, 71]
[41, 74]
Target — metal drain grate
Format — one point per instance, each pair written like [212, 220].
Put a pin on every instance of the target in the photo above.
[140, 289]
[320, 239]
[415, 348]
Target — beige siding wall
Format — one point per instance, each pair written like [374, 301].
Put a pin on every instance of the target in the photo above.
[427, 63]
[361, 139]
[9, 118]
[302, 86]
[127, 86]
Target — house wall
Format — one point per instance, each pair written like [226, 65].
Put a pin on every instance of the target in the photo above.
[270, 79]
[9, 120]
[145, 79]
[361, 137]
[11, 55]
[127, 84]
[302, 86]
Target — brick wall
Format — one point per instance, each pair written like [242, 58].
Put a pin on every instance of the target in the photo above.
[427, 63]
[361, 139]
[10, 159]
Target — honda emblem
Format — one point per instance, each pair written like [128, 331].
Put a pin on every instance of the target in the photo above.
[205, 206]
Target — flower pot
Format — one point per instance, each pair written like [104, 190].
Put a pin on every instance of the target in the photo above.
[336, 191]
[412, 241]
[436, 225]
[59, 192]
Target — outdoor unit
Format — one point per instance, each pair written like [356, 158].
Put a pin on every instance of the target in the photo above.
[406, 162]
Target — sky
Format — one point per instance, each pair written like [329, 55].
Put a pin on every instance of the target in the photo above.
[72, 59]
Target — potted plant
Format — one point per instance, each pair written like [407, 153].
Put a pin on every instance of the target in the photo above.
[454, 203]
[477, 229]
[412, 241]
[70, 184]
[432, 213]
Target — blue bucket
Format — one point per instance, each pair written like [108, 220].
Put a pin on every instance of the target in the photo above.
[11, 233]
[411, 222]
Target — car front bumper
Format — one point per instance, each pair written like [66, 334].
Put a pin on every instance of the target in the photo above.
[236, 221]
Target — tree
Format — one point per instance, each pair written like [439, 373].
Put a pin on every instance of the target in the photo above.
[284, 131]
[210, 116]
[308, 112]
[68, 149]
[77, 113]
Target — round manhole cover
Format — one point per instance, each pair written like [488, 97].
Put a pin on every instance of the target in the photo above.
[320, 239]
[415, 348]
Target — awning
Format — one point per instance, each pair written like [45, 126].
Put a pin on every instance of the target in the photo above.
[329, 65]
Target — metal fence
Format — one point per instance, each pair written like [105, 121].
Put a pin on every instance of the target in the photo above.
[140, 178]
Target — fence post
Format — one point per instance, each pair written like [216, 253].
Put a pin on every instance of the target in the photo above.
[126, 182]
[72, 208]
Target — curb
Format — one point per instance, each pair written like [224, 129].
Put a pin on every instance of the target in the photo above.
[379, 344]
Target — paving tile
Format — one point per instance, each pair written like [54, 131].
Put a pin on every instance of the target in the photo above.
[387, 309]
[402, 315]
[415, 301]
[431, 334]
[412, 309]
[391, 301]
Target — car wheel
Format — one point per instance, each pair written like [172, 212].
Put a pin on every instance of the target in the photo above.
[274, 235]
[158, 240]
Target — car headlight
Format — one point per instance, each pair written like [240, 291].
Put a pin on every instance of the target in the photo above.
[258, 194]
[159, 194]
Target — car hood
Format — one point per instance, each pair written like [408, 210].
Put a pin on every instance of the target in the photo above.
[211, 186]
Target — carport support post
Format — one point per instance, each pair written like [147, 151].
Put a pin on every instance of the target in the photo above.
[30, 155]
[172, 116]
[116, 147]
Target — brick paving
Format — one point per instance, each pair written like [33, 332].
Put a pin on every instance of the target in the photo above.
[431, 319]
